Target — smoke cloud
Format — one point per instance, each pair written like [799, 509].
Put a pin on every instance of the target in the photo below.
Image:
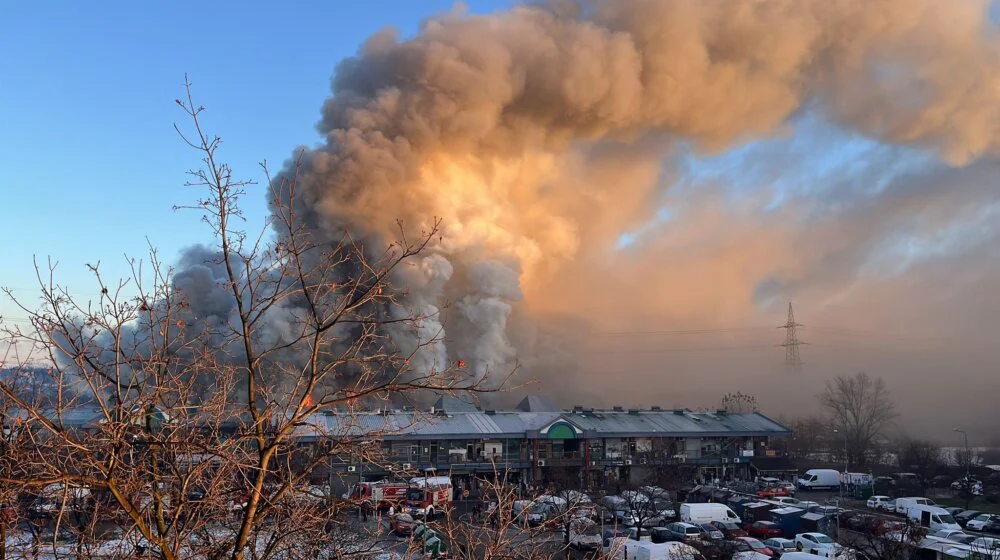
[541, 134]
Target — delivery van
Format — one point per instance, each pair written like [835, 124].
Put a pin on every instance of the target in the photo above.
[903, 505]
[819, 479]
[932, 517]
[707, 513]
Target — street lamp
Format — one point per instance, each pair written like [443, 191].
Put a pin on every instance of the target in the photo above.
[840, 500]
[968, 456]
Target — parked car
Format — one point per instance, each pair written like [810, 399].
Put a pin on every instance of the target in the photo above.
[790, 486]
[401, 523]
[683, 532]
[966, 516]
[710, 532]
[816, 543]
[824, 510]
[764, 529]
[780, 546]
[953, 511]
[757, 546]
[980, 521]
[942, 481]
[772, 492]
[950, 534]
[730, 530]
[992, 526]
[664, 508]
[882, 503]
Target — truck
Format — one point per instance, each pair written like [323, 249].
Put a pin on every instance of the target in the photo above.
[932, 517]
[819, 479]
[378, 495]
[428, 496]
[707, 513]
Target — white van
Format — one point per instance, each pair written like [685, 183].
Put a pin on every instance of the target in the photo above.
[932, 517]
[629, 549]
[819, 479]
[707, 513]
[903, 505]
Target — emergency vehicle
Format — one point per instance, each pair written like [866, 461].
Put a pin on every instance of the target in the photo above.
[428, 496]
[379, 495]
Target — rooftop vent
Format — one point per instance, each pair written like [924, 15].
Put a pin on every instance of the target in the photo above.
[618, 409]
[655, 408]
[721, 412]
[679, 412]
[577, 408]
[633, 411]
[491, 412]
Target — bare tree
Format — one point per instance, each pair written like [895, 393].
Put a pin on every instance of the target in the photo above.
[807, 437]
[923, 457]
[739, 403]
[968, 460]
[861, 409]
[207, 438]
[879, 538]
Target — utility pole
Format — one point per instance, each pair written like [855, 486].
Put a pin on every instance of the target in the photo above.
[792, 342]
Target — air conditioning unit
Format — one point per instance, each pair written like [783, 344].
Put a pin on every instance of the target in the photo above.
[628, 461]
[352, 468]
[541, 462]
[593, 463]
[406, 466]
[642, 461]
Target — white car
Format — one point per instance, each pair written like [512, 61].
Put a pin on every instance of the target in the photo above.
[977, 523]
[816, 543]
[884, 503]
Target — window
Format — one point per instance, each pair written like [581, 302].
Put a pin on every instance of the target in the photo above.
[822, 539]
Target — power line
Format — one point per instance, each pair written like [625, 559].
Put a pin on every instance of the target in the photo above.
[694, 349]
[677, 332]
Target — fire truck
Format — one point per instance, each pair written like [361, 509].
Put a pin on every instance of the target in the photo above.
[428, 496]
[379, 495]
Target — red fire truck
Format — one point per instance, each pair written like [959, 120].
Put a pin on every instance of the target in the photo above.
[379, 495]
[428, 496]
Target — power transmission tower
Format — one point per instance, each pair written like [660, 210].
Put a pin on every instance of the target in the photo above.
[792, 341]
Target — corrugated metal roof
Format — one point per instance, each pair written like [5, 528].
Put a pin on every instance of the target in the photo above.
[517, 423]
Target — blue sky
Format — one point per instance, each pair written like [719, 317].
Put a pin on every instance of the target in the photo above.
[90, 165]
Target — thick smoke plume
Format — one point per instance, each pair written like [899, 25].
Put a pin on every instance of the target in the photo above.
[540, 134]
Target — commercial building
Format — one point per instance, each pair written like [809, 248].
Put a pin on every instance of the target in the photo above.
[536, 441]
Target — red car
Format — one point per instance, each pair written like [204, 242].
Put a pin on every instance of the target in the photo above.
[772, 492]
[401, 523]
[764, 530]
[757, 546]
[730, 530]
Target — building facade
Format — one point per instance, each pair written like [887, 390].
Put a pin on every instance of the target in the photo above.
[537, 442]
